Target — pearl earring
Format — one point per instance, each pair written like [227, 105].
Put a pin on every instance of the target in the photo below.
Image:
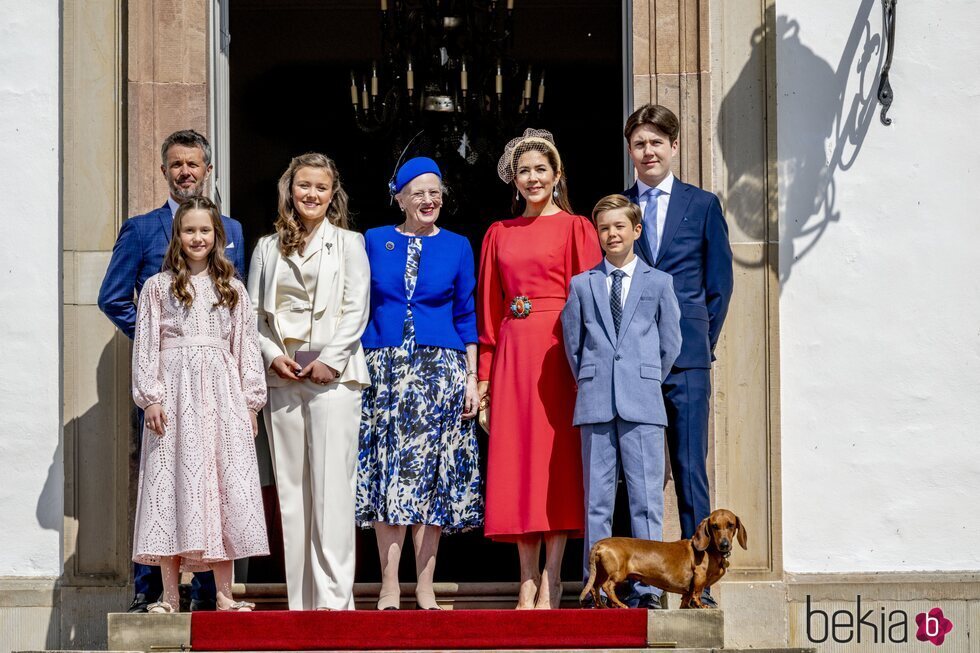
[554, 193]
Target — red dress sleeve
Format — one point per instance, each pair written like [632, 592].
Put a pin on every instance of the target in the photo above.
[583, 252]
[490, 301]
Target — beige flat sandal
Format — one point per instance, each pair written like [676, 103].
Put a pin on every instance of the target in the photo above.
[238, 606]
[160, 607]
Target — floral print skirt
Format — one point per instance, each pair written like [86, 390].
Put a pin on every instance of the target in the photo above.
[418, 459]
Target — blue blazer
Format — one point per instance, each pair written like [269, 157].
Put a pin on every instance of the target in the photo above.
[442, 305]
[138, 255]
[621, 375]
[694, 250]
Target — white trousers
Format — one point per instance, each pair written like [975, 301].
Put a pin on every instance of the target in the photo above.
[313, 439]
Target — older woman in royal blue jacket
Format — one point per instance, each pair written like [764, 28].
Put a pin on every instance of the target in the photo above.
[417, 463]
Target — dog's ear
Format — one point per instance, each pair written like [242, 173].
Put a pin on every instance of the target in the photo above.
[701, 540]
[743, 537]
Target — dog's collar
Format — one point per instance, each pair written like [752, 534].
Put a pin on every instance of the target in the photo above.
[726, 555]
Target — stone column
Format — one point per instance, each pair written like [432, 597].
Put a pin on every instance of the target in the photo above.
[97, 432]
[708, 61]
[117, 111]
[167, 88]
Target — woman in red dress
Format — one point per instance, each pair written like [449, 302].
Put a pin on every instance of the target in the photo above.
[534, 468]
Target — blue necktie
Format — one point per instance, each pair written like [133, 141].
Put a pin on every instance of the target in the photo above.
[616, 298]
[650, 222]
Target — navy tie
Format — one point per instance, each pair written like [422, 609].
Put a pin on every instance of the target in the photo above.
[616, 298]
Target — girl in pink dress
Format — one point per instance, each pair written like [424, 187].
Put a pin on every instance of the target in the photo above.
[198, 375]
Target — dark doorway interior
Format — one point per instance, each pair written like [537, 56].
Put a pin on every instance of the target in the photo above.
[290, 63]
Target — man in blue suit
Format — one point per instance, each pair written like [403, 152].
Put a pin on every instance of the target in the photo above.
[621, 327]
[686, 236]
[138, 255]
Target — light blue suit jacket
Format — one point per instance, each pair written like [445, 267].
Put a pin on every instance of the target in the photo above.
[621, 375]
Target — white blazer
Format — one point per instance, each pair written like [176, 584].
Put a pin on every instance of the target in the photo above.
[340, 310]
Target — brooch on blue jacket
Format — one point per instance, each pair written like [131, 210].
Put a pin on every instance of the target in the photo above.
[389, 246]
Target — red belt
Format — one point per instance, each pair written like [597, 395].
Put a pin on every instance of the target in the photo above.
[521, 306]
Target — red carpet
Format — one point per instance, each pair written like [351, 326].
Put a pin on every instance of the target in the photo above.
[417, 629]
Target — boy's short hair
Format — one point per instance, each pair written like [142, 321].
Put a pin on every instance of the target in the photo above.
[617, 201]
[657, 116]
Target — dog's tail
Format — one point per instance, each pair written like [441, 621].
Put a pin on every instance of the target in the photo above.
[591, 582]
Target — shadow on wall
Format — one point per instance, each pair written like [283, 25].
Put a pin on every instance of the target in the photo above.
[50, 516]
[78, 622]
[824, 116]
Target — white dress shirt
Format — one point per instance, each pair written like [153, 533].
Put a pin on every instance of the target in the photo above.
[173, 206]
[665, 187]
[628, 271]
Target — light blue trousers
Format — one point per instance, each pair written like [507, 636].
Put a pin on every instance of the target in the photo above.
[639, 448]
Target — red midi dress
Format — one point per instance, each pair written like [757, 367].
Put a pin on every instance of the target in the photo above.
[534, 465]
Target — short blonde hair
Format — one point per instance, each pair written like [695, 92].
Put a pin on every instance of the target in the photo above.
[614, 202]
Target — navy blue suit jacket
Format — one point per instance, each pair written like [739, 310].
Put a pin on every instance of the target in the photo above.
[694, 250]
[138, 255]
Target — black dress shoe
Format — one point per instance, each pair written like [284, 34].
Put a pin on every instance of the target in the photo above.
[203, 605]
[650, 602]
[707, 600]
[139, 603]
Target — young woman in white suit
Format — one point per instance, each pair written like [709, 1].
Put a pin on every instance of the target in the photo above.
[310, 283]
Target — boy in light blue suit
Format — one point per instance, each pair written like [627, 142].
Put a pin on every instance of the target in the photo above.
[622, 333]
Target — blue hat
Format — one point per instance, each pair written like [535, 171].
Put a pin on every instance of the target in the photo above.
[412, 168]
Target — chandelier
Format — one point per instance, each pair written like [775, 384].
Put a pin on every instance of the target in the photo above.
[446, 69]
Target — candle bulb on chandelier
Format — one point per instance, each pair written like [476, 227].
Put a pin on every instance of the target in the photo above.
[364, 95]
[526, 97]
[510, 5]
[411, 78]
[384, 5]
[499, 81]
[464, 81]
[374, 80]
[353, 90]
[541, 90]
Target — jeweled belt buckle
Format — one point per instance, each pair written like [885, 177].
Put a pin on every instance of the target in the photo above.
[520, 307]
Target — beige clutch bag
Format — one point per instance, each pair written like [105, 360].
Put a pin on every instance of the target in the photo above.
[483, 414]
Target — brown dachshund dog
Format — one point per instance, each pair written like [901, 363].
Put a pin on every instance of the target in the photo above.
[685, 567]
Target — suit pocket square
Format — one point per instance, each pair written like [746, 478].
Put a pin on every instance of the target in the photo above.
[230, 246]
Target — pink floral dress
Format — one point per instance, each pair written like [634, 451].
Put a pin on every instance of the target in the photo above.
[199, 494]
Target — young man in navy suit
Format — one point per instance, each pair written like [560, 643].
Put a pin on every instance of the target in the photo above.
[621, 327]
[138, 255]
[686, 236]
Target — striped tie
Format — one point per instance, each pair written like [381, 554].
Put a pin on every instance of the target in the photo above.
[616, 298]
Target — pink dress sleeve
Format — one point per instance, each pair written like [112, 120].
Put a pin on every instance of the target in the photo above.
[245, 350]
[148, 387]
[490, 303]
[583, 252]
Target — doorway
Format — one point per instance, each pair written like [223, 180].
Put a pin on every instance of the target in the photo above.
[290, 63]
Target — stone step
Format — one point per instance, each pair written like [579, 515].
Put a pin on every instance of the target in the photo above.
[679, 629]
[484, 596]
